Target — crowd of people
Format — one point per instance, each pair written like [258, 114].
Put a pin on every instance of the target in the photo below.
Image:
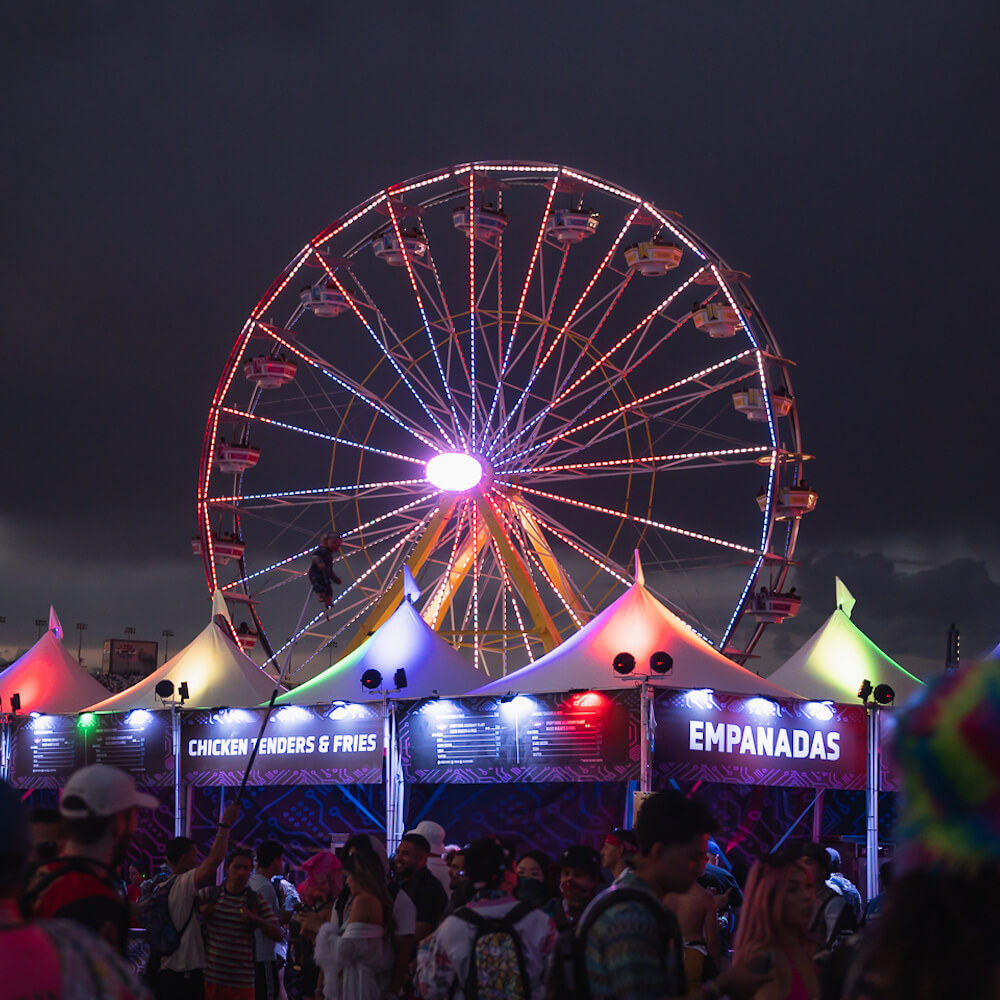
[650, 913]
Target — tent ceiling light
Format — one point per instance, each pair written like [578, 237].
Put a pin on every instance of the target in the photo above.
[454, 472]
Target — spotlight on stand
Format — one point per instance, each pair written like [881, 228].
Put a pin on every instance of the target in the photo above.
[865, 691]
[624, 663]
[399, 679]
[661, 663]
[506, 699]
[15, 703]
[883, 694]
[371, 680]
[182, 692]
[164, 689]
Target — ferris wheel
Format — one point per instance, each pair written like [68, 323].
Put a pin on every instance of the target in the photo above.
[507, 376]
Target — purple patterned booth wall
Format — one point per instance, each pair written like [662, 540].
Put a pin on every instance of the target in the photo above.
[704, 735]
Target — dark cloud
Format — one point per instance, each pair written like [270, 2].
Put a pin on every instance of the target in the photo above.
[161, 164]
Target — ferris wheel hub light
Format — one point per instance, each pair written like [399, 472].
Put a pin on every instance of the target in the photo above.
[454, 472]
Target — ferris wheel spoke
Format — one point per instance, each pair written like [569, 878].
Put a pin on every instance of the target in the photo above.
[651, 463]
[426, 322]
[636, 519]
[639, 330]
[328, 370]
[560, 337]
[639, 405]
[308, 432]
[505, 367]
[379, 343]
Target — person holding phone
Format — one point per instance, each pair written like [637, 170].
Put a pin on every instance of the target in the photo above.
[773, 934]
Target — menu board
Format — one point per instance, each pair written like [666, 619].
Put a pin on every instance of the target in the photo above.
[708, 736]
[580, 736]
[47, 749]
[329, 745]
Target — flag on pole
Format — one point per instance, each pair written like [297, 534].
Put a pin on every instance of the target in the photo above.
[54, 624]
[845, 599]
[219, 606]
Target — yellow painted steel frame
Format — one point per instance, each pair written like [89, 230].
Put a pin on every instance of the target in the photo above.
[390, 600]
[544, 626]
[437, 607]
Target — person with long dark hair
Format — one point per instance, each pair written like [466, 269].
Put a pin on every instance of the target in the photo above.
[357, 956]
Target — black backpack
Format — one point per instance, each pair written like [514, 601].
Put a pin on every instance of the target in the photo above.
[567, 979]
[497, 970]
[162, 936]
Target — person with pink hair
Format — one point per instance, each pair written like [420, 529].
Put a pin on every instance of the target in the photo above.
[773, 933]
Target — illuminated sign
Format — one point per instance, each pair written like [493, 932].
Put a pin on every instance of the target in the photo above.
[325, 745]
[583, 736]
[708, 736]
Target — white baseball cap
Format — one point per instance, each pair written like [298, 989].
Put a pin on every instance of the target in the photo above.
[99, 790]
[433, 833]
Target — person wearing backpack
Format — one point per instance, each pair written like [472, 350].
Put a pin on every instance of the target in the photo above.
[629, 945]
[231, 912]
[99, 811]
[495, 948]
[179, 972]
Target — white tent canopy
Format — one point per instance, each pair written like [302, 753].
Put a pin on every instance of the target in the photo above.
[639, 624]
[838, 657]
[49, 680]
[218, 673]
[404, 641]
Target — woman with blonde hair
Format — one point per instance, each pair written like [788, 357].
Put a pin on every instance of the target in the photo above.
[357, 956]
[773, 933]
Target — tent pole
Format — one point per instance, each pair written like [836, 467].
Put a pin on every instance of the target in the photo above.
[175, 727]
[645, 741]
[873, 783]
[817, 820]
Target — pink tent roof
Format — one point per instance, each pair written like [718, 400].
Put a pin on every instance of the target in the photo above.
[217, 673]
[49, 680]
[639, 624]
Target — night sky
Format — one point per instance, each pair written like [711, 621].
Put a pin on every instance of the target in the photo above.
[162, 163]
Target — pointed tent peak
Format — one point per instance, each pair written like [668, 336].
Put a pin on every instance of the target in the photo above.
[219, 606]
[411, 591]
[54, 624]
[640, 577]
[845, 599]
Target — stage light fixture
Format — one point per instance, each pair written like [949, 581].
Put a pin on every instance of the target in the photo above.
[624, 663]
[182, 692]
[164, 689]
[883, 694]
[399, 679]
[15, 703]
[865, 691]
[371, 680]
[87, 720]
[661, 662]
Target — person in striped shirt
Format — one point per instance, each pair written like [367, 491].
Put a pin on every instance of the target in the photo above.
[232, 912]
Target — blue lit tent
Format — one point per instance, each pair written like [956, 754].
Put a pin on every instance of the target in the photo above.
[405, 641]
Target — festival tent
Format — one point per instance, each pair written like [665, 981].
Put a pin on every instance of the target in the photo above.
[639, 624]
[838, 657]
[48, 679]
[404, 641]
[217, 672]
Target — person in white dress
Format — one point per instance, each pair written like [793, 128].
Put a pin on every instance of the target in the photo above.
[357, 957]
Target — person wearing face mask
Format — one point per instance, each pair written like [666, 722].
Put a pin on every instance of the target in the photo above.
[534, 881]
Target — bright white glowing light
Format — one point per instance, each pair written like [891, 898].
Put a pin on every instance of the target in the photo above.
[292, 713]
[701, 698]
[762, 706]
[518, 707]
[454, 471]
[821, 711]
[138, 718]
